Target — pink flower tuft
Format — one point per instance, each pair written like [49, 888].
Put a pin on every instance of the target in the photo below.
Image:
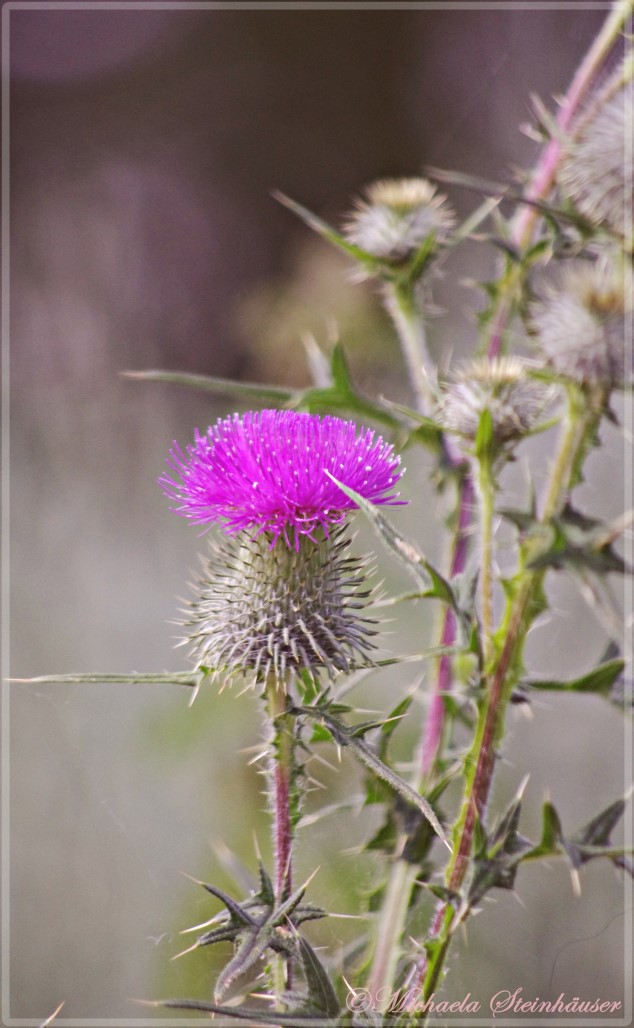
[266, 471]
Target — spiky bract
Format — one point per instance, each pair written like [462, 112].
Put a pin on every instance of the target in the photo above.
[396, 216]
[266, 472]
[262, 610]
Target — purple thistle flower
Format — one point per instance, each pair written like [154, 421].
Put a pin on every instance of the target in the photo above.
[267, 471]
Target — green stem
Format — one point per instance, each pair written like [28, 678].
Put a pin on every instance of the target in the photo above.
[545, 172]
[391, 923]
[486, 485]
[584, 412]
[407, 316]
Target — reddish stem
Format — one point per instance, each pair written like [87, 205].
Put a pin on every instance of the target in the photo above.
[434, 723]
[282, 832]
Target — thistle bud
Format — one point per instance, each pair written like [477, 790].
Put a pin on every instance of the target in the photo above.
[277, 611]
[503, 387]
[581, 324]
[396, 216]
[597, 170]
[282, 596]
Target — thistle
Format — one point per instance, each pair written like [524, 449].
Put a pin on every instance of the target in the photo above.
[597, 171]
[283, 595]
[580, 326]
[397, 216]
[501, 388]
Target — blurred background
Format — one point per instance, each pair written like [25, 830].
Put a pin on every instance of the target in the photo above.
[145, 145]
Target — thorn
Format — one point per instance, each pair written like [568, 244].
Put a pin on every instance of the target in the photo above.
[196, 881]
[522, 786]
[55, 1012]
[576, 881]
[197, 927]
[189, 949]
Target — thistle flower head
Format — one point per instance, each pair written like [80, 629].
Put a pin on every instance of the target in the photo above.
[502, 387]
[597, 170]
[267, 472]
[396, 216]
[278, 612]
[581, 324]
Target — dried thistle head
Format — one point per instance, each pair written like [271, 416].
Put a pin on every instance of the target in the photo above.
[501, 386]
[597, 172]
[396, 216]
[581, 324]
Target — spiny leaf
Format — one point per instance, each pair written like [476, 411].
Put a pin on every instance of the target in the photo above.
[551, 833]
[327, 231]
[236, 911]
[414, 561]
[211, 384]
[252, 1014]
[597, 831]
[600, 680]
[344, 736]
[189, 678]
[321, 996]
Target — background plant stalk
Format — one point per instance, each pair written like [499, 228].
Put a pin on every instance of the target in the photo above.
[584, 413]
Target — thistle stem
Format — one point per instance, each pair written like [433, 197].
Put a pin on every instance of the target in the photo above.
[281, 773]
[432, 736]
[391, 924]
[546, 169]
[584, 413]
[486, 489]
[407, 316]
[281, 785]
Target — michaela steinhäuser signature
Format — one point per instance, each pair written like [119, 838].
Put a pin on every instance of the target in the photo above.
[503, 1002]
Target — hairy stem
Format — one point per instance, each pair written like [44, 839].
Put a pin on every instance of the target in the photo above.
[543, 178]
[486, 490]
[432, 733]
[391, 924]
[405, 311]
[584, 412]
[281, 772]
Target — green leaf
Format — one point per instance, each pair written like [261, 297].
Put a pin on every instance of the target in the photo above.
[597, 831]
[551, 833]
[344, 736]
[417, 264]
[600, 680]
[341, 396]
[413, 560]
[328, 233]
[391, 723]
[483, 443]
[253, 1014]
[192, 679]
[571, 540]
[322, 997]
[321, 734]
[210, 384]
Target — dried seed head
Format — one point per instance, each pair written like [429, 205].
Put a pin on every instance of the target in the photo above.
[597, 171]
[261, 610]
[503, 388]
[581, 325]
[396, 216]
